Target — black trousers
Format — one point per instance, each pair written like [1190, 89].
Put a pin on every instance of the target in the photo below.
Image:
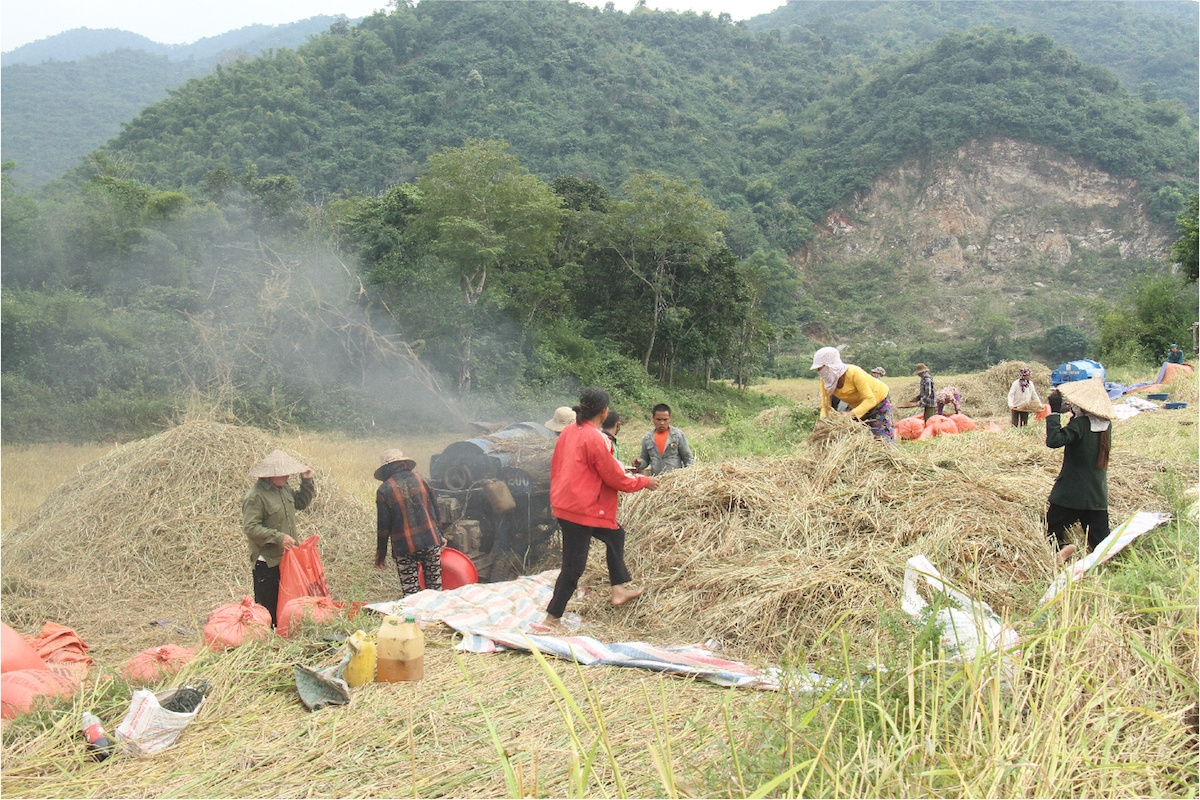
[1094, 523]
[576, 541]
[1020, 418]
[266, 587]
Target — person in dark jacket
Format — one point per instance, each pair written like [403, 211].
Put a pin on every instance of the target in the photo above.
[584, 481]
[406, 513]
[269, 520]
[666, 447]
[1174, 355]
[1080, 492]
[926, 398]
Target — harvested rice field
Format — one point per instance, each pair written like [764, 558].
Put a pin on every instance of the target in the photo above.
[794, 560]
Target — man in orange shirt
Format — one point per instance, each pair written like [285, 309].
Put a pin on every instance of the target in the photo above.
[666, 447]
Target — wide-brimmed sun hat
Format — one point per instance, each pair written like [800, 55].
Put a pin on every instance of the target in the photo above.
[563, 416]
[826, 357]
[390, 457]
[1089, 395]
[276, 465]
[920, 368]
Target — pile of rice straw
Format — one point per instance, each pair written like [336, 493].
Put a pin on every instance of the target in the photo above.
[768, 556]
[152, 532]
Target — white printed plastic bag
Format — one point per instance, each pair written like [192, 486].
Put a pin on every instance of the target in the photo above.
[148, 727]
[967, 625]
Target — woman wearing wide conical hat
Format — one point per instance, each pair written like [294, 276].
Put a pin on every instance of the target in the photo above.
[269, 520]
[1080, 493]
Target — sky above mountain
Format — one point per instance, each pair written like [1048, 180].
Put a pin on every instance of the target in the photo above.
[184, 23]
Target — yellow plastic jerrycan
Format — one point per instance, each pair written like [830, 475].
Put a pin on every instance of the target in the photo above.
[401, 650]
[361, 668]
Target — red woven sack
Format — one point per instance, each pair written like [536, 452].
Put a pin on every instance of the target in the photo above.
[963, 422]
[22, 690]
[57, 643]
[16, 653]
[301, 574]
[157, 663]
[910, 428]
[942, 425]
[231, 625]
[318, 609]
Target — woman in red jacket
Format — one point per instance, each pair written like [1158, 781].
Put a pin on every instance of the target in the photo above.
[584, 481]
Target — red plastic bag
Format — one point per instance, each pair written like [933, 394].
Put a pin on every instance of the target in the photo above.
[230, 625]
[301, 574]
[156, 663]
[963, 422]
[1045, 412]
[910, 428]
[16, 653]
[21, 689]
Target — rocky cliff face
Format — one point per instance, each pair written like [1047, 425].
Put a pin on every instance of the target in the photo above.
[1001, 218]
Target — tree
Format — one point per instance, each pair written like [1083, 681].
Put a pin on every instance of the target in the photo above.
[481, 211]
[1184, 248]
[664, 225]
[1064, 343]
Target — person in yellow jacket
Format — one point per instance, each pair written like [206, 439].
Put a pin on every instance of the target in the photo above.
[867, 396]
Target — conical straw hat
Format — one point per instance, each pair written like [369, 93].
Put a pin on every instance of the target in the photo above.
[277, 464]
[1090, 396]
[390, 456]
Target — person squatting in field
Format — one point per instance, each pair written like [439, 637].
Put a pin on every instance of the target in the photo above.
[584, 481]
[406, 513]
[869, 398]
[269, 520]
[1080, 492]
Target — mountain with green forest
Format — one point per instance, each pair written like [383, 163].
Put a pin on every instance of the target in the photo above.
[66, 95]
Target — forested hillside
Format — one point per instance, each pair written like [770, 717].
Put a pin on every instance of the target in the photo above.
[66, 95]
[1151, 45]
[776, 133]
[500, 201]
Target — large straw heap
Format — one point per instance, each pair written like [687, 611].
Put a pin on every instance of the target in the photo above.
[152, 531]
[768, 556]
[985, 394]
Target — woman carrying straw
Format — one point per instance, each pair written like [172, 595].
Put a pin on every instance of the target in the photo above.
[1080, 493]
[584, 481]
[867, 397]
[1023, 398]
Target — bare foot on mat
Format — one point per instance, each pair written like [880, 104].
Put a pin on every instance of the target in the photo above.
[547, 627]
[622, 595]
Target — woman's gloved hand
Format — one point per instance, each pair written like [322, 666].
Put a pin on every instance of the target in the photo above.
[1055, 400]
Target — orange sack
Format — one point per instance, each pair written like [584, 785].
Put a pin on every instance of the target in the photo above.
[58, 643]
[317, 609]
[16, 653]
[301, 574]
[910, 428]
[230, 625]
[941, 425]
[963, 422]
[22, 689]
[157, 663]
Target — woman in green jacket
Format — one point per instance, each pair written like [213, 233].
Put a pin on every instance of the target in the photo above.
[1080, 493]
[269, 520]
